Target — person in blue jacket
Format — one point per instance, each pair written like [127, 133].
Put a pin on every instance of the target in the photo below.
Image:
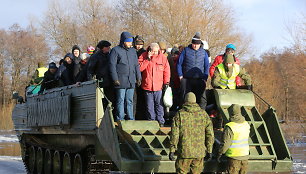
[125, 73]
[192, 69]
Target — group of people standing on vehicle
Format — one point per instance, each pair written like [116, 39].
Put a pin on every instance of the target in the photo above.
[133, 79]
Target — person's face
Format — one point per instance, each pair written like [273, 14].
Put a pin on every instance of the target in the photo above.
[76, 52]
[230, 51]
[196, 46]
[154, 51]
[138, 47]
[106, 49]
[68, 60]
[52, 70]
[128, 44]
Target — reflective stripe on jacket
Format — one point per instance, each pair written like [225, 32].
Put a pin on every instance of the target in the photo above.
[240, 144]
[41, 71]
[225, 81]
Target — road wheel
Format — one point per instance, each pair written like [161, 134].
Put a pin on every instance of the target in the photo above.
[40, 161]
[32, 159]
[48, 162]
[77, 164]
[57, 162]
[67, 164]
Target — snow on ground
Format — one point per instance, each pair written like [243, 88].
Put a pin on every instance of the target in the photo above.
[8, 138]
[11, 165]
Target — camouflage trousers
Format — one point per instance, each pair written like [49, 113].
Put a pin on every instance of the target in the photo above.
[237, 166]
[192, 165]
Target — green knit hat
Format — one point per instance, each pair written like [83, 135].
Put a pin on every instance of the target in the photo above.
[190, 98]
[229, 59]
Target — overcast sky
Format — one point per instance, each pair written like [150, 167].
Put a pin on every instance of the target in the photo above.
[265, 20]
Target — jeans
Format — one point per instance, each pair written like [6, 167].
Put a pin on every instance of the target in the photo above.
[155, 110]
[124, 102]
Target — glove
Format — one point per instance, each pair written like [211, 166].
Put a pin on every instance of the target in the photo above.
[209, 155]
[138, 83]
[219, 159]
[116, 83]
[171, 156]
[250, 87]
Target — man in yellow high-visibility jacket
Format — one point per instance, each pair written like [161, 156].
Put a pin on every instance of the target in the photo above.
[226, 73]
[234, 143]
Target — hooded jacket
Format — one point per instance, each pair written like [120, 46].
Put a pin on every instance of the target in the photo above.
[193, 63]
[65, 72]
[228, 134]
[77, 63]
[155, 73]
[123, 64]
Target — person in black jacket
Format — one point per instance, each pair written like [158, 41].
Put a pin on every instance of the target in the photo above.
[77, 61]
[49, 80]
[82, 76]
[98, 67]
[65, 71]
[125, 73]
[99, 64]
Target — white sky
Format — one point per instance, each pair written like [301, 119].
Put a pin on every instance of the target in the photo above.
[265, 20]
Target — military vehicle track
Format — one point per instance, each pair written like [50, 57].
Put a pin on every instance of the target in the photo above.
[43, 159]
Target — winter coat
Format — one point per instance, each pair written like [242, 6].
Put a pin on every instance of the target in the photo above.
[49, 81]
[98, 65]
[155, 72]
[77, 62]
[82, 75]
[123, 64]
[192, 132]
[219, 59]
[175, 81]
[140, 51]
[65, 74]
[193, 63]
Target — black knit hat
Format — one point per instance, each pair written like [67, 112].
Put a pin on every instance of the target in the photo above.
[196, 38]
[52, 65]
[103, 43]
[138, 40]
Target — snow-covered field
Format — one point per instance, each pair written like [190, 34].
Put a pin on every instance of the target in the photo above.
[9, 138]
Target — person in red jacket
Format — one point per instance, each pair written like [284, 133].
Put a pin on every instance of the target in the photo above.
[155, 71]
[230, 49]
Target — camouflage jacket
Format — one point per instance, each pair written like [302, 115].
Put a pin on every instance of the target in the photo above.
[192, 132]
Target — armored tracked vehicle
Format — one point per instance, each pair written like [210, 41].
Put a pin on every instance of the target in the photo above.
[67, 130]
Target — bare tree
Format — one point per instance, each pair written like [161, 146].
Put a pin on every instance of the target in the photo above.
[2, 65]
[176, 21]
[60, 27]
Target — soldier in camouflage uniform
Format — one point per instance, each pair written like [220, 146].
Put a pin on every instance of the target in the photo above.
[191, 137]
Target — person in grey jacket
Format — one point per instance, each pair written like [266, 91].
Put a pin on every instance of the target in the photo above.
[125, 73]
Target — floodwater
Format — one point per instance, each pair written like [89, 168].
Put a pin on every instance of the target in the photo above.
[10, 160]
